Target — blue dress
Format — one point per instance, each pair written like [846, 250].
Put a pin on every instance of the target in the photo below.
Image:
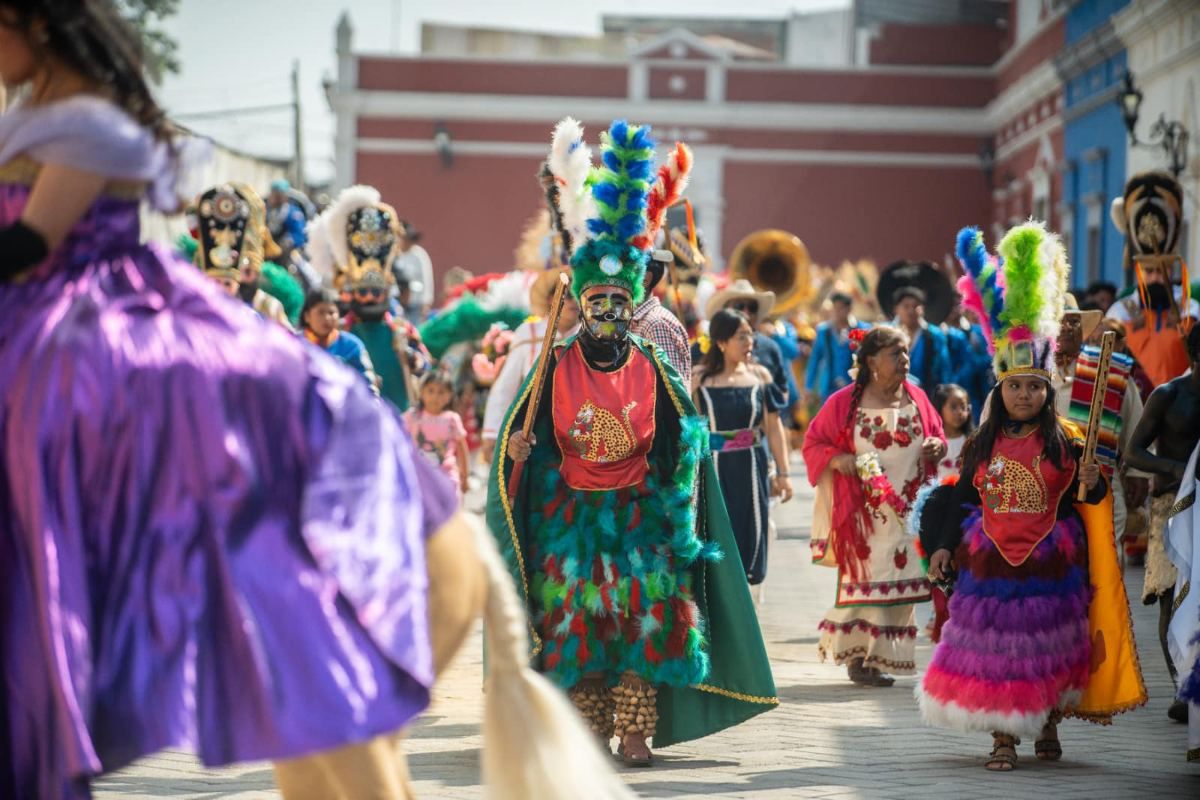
[735, 419]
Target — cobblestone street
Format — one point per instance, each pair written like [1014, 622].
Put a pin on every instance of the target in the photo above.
[827, 738]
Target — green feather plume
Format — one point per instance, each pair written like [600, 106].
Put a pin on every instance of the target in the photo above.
[1022, 276]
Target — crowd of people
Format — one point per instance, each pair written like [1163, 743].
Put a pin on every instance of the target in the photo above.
[233, 484]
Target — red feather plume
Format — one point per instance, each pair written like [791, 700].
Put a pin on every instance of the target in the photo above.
[672, 180]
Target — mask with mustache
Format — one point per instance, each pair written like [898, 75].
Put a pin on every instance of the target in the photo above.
[1159, 297]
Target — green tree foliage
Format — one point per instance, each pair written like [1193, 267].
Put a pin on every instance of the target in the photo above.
[160, 50]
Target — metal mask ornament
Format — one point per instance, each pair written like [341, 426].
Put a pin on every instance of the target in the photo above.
[607, 314]
[223, 216]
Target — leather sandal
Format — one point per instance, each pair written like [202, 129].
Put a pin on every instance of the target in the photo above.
[1048, 747]
[1003, 757]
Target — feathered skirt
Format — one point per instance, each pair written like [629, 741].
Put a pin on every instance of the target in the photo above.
[1016, 646]
[612, 591]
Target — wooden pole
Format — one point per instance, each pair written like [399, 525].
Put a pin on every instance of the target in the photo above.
[1096, 412]
[539, 375]
[400, 345]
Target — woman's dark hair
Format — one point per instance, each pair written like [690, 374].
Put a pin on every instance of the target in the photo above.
[876, 340]
[721, 328]
[941, 395]
[314, 298]
[978, 447]
[91, 37]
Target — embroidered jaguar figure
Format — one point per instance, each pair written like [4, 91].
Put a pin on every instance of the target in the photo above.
[1007, 480]
[598, 435]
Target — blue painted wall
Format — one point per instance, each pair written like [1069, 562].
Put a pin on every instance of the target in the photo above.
[1094, 146]
[1087, 15]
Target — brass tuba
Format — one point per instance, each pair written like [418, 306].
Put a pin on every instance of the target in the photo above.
[773, 261]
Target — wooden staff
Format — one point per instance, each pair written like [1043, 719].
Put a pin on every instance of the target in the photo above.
[539, 375]
[1096, 412]
[400, 345]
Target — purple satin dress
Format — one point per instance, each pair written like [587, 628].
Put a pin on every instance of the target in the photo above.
[211, 533]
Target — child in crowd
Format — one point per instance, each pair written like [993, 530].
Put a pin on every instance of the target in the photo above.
[437, 430]
[322, 323]
[952, 402]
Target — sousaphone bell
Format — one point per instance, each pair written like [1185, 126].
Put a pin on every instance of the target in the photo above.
[773, 261]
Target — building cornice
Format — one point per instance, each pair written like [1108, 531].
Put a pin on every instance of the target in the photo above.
[1095, 48]
[877, 158]
[1033, 86]
[762, 116]
[1143, 18]
[1014, 53]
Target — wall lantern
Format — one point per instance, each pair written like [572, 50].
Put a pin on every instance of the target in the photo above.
[1171, 136]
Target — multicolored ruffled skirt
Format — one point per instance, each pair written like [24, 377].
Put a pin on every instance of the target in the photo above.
[1016, 646]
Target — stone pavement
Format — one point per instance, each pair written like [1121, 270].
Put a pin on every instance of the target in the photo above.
[827, 739]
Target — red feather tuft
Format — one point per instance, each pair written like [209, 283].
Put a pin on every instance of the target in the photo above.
[672, 180]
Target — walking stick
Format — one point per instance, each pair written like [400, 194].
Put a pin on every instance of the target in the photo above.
[1096, 412]
[400, 345]
[539, 376]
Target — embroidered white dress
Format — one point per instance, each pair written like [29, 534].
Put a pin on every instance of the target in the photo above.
[873, 617]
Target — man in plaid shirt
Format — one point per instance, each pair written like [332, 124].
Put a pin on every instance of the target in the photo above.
[653, 322]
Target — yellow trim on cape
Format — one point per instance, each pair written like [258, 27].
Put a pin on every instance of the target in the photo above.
[1115, 684]
[745, 698]
[502, 480]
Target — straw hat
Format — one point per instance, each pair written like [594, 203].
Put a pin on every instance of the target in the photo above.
[741, 289]
[1088, 320]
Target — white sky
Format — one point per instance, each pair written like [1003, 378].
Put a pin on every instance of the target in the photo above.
[239, 53]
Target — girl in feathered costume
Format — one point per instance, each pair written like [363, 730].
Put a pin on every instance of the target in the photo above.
[1037, 581]
[616, 529]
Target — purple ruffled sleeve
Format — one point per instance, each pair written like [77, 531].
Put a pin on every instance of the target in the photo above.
[93, 135]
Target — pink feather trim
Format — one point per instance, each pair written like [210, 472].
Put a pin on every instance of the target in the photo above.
[974, 301]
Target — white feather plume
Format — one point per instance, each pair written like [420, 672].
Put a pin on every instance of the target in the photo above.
[331, 228]
[571, 162]
[1053, 283]
[320, 253]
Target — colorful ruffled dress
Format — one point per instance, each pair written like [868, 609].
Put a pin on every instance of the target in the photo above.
[1016, 647]
[213, 534]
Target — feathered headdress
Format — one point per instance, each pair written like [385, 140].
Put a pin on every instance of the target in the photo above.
[612, 213]
[356, 238]
[1019, 297]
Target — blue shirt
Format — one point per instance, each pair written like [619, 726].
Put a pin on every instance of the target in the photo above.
[928, 359]
[350, 350]
[829, 365]
[972, 364]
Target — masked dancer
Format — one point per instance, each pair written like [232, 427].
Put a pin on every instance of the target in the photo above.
[615, 522]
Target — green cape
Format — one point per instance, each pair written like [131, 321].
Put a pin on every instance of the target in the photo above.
[379, 339]
[739, 685]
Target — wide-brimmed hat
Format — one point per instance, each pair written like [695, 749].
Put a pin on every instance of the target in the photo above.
[741, 289]
[1088, 320]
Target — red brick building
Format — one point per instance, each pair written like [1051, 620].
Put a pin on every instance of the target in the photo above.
[878, 158]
